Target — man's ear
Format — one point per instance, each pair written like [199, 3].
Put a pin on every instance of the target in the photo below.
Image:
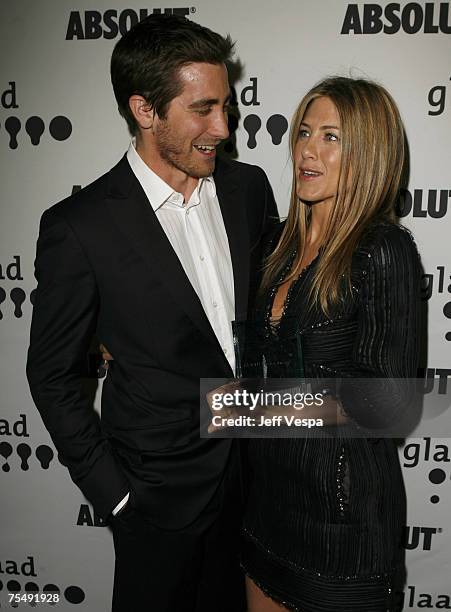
[142, 112]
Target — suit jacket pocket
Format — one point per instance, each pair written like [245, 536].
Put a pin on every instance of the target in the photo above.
[155, 437]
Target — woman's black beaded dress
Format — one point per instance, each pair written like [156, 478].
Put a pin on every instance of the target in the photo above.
[324, 520]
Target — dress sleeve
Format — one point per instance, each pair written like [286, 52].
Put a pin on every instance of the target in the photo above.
[378, 390]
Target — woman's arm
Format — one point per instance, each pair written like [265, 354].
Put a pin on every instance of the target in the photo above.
[387, 338]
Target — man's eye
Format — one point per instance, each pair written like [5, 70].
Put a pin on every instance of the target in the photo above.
[204, 112]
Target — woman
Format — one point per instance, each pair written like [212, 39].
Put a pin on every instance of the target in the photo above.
[324, 520]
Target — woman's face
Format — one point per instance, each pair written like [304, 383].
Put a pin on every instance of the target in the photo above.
[318, 152]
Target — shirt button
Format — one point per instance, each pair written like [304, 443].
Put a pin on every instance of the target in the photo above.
[215, 304]
[225, 351]
[201, 257]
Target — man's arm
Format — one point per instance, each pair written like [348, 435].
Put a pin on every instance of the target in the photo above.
[64, 320]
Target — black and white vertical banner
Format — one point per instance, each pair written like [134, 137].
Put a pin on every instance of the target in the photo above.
[59, 130]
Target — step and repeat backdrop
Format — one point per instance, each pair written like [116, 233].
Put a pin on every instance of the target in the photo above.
[59, 130]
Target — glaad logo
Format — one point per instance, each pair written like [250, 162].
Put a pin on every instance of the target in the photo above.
[276, 125]
[428, 452]
[437, 99]
[439, 280]
[89, 25]
[413, 17]
[11, 271]
[43, 453]
[72, 594]
[447, 313]
[423, 203]
[60, 127]
[419, 537]
[413, 600]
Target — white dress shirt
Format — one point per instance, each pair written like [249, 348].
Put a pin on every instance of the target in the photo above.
[197, 234]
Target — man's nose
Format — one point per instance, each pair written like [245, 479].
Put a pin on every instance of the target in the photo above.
[219, 126]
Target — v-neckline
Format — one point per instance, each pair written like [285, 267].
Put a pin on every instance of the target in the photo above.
[275, 321]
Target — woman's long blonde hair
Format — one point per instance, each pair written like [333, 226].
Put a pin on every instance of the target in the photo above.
[373, 156]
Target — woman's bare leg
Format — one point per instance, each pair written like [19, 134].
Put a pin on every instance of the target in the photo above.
[257, 601]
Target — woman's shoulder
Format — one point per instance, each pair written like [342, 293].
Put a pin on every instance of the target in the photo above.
[384, 238]
[386, 250]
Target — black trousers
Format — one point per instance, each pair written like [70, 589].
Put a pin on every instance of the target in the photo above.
[194, 569]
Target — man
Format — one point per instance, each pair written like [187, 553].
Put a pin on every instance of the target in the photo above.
[155, 257]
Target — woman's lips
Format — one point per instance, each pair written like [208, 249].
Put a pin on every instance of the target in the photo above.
[306, 174]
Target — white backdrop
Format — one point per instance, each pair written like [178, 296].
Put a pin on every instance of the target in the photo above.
[59, 128]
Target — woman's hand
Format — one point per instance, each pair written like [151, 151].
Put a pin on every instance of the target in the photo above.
[106, 356]
[217, 407]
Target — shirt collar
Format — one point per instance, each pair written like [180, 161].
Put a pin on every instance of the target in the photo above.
[158, 191]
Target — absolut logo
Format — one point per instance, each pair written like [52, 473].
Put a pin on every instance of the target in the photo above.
[423, 203]
[88, 518]
[109, 24]
[411, 18]
[419, 537]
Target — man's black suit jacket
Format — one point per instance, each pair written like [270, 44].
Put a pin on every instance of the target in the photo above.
[105, 267]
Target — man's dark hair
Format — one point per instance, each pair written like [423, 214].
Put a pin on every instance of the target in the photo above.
[147, 59]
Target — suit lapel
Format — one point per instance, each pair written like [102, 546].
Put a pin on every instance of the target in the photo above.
[134, 216]
[229, 189]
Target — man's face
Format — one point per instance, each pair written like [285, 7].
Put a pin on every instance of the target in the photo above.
[195, 123]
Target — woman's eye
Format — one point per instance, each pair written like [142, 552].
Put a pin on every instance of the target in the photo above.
[332, 137]
[303, 133]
